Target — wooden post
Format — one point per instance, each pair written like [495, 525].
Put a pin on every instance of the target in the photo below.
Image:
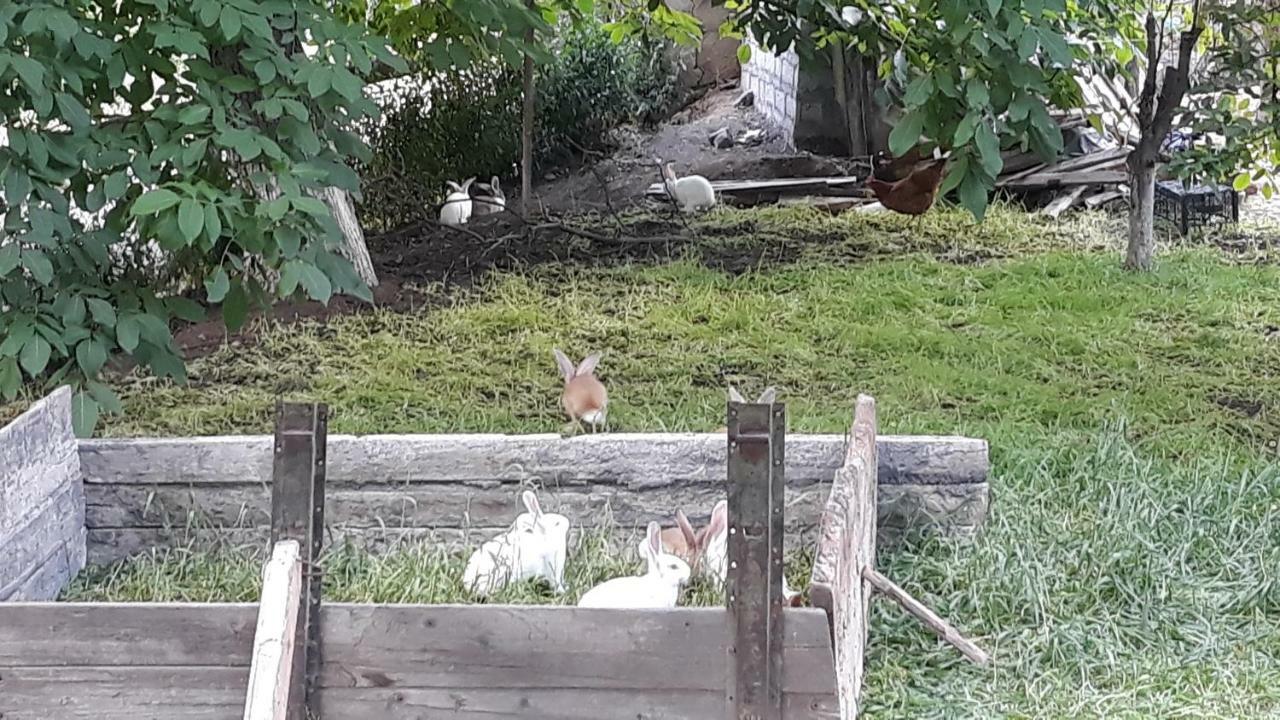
[274, 642]
[756, 481]
[927, 617]
[297, 513]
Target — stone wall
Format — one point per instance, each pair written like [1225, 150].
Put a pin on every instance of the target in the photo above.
[773, 80]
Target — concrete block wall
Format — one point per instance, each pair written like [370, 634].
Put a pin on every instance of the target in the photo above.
[773, 79]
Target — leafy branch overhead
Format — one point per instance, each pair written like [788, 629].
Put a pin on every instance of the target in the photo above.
[970, 76]
[157, 147]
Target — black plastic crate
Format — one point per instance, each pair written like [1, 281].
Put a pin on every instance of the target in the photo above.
[1197, 205]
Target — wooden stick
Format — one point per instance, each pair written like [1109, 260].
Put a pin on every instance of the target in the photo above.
[274, 642]
[929, 618]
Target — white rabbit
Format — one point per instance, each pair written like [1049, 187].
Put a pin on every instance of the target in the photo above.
[534, 547]
[491, 199]
[659, 587]
[457, 205]
[715, 558]
[690, 193]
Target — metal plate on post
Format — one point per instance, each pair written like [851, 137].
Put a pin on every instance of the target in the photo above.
[754, 591]
[297, 513]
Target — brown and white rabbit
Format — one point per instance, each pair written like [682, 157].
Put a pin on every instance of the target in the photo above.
[715, 553]
[688, 545]
[584, 397]
[490, 200]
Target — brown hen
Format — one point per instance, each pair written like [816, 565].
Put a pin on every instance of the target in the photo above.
[913, 194]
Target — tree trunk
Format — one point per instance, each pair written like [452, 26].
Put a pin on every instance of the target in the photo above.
[526, 129]
[1142, 202]
[353, 244]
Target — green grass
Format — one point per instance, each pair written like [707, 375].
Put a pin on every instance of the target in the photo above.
[1129, 567]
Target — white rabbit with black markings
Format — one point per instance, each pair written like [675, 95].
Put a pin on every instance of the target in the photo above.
[535, 546]
[490, 200]
[690, 193]
[659, 587]
[457, 204]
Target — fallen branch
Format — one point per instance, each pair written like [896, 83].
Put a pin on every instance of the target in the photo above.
[927, 617]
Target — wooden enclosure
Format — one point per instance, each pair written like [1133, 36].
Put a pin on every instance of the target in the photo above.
[143, 493]
[290, 656]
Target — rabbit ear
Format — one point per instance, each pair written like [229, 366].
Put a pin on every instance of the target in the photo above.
[531, 503]
[493, 183]
[719, 519]
[767, 397]
[467, 184]
[588, 364]
[655, 539]
[566, 365]
[734, 395]
[690, 537]
[453, 186]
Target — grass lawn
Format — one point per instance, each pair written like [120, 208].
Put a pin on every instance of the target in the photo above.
[1130, 565]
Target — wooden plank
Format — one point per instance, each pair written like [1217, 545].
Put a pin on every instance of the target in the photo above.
[756, 463]
[159, 634]
[638, 460]
[42, 536]
[1097, 200]
[1047, 180]
[478, 646]
[274, 657]
[122, 692]
[927, 617]
[847, 545]
[778, 185]
[549, 704]
[1060, 204]
[297, 513]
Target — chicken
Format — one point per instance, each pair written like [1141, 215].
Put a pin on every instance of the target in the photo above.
[913, 194]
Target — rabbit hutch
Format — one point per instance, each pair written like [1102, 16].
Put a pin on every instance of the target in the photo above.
[65, 503]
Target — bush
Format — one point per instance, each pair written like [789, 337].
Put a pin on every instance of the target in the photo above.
[466, 123]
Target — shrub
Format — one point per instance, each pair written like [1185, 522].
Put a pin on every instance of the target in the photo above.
[466, 123]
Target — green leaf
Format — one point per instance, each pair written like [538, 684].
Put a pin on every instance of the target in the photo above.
[993, 6]
[194, 114]
[1028, 43]
[319, 82]
[84, 414]
[316, 283]
[276, 209]
[973, 196]
[190, 219]
[127, 332]
[906, 133]
[290, 276]
[235, 308]
[744, 53]
[116, 185]
[918, 92]
[154, 201]
[229, 21]
[976, 94]
[1056, 46]
[185, 309]
[75, 312]
[212, 223]
[30, 71]
[217, 285]
[1242, 181]
[311, 206]
[102, 311]
[105, 396]
[10, 256]
[265, 70]
[72, 111]
[348, 85]
[91, 356]
[988, 149]
[154, 329]
[964, 131]
[34, 357]
[955, 174]
[10, 378]
[37, 263]
[290, 241]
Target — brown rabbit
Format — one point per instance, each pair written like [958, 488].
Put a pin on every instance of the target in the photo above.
[584, 397]
[766, 397]
[689, 546]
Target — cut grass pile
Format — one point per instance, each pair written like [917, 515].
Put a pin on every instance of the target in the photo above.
[1129, 568]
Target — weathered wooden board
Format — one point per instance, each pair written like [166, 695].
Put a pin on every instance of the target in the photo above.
[42, 537]
[548, 704]
[847, 545]
[104, 634]
[639, 460]
[122, 692]
[271, 676]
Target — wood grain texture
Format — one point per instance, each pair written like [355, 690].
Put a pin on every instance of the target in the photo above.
[42, 521]
[122, 692]
[927, 617]
[847, 544]
[271, 674]
[104, 634]
[637, 461]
